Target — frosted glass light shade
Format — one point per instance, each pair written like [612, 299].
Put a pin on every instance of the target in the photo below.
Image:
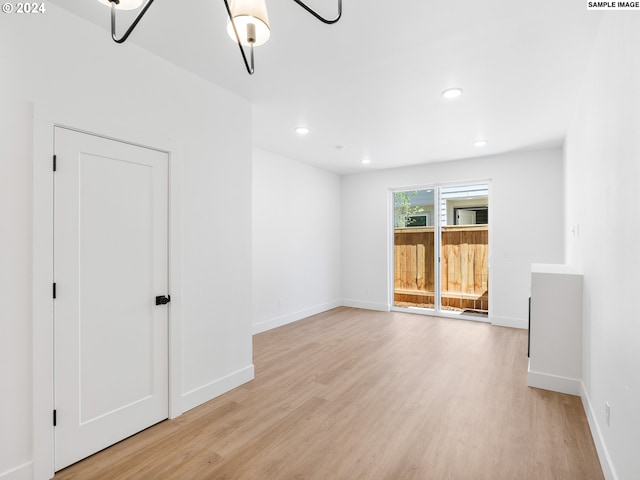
[247, 12]
[124, 4]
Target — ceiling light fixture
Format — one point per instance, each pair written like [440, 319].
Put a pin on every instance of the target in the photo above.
[479, 143]
[366, 161]
[302, 130]
[452, 92]
[248, 23]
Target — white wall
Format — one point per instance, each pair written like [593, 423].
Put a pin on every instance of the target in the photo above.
[69, 65]
[526, 215]
[15, 285]
[602, 156]
[296, 240]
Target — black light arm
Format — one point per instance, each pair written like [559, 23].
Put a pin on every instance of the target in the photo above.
[250, 68]
[322, 19]
[133, 25]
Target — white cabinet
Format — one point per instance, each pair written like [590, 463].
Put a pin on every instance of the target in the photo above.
[555, 332]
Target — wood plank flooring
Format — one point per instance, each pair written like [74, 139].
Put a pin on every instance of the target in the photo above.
[352, 394]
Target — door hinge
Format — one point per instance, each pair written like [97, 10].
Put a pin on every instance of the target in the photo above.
[54, 290]
[55, 163]
[163, 299]
[55, 418]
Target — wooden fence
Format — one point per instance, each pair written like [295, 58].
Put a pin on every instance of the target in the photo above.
[464, 259]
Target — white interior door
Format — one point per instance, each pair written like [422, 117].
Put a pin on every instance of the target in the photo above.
[110, 263]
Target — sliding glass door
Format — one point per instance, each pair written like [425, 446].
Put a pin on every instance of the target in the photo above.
[441, 249]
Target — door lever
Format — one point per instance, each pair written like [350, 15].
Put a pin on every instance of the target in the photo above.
[163, 299]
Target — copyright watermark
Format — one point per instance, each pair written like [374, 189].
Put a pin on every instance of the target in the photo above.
[24, 8]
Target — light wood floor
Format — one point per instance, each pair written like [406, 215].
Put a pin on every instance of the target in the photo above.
[352, 394]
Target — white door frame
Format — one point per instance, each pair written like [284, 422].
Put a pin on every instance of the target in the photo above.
[44, 121]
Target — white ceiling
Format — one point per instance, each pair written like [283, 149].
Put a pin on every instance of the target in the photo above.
[372, 82]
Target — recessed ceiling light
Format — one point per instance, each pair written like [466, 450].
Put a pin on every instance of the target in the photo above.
[366, 161]
[302, 130]
[479, 143]
[339, 147]
[452, 92]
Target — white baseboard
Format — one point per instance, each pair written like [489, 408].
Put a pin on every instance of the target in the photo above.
[22, 472]
[380, 307]
[510, 322]
[598, 439]
[570, 386]
[216, 388]
[293, 317]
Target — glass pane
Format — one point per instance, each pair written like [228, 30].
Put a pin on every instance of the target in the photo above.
[414, 215]
[464, 216]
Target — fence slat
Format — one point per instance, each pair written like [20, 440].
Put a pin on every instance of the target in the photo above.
[464, 275]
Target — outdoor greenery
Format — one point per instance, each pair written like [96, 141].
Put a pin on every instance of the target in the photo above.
[403, 209]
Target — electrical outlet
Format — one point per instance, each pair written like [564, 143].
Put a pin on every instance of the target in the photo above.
[607, 413]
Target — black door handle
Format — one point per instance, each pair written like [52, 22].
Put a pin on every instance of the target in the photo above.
[163, 299]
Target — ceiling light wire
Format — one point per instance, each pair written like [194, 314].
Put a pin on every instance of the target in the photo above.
[133, 25]
[322, 19]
